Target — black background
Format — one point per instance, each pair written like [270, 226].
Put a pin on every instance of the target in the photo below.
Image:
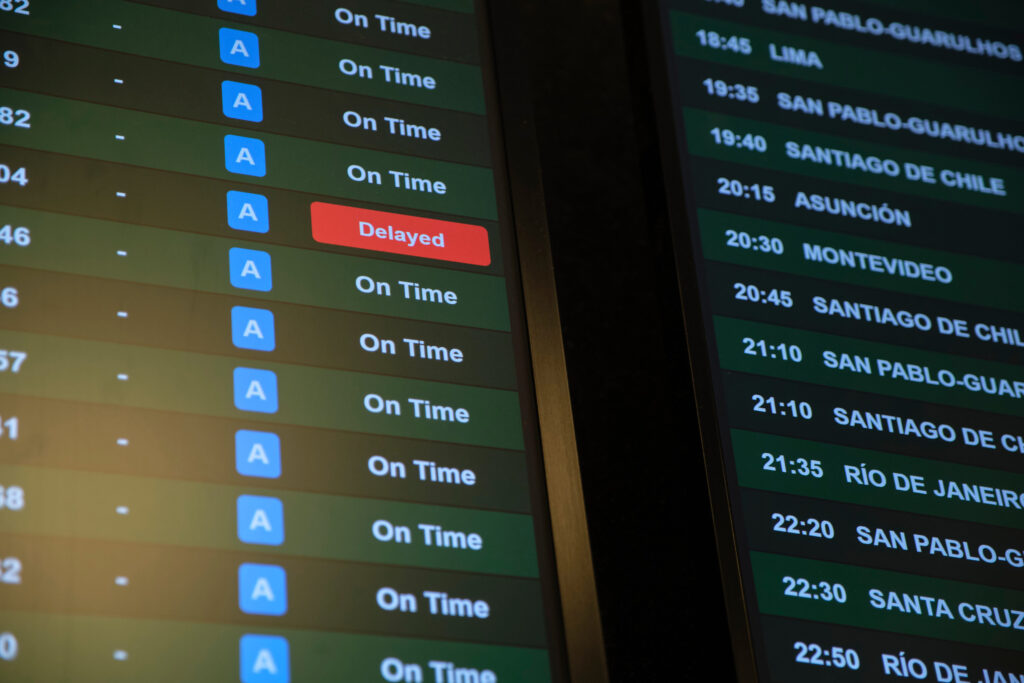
[643, 475]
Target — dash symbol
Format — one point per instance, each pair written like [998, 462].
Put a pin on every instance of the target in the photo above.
[120, 655]
[121, 581]
[122, 510]
[122, 314]
[122, 442]
[117, 27]
[118, 136]
[121, 195]
[123, 377]
[119, 81]
[122, 252]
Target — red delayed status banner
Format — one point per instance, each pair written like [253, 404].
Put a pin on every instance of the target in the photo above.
[395, 233]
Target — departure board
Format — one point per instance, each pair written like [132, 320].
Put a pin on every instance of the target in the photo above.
[849, 189]
[266, 398]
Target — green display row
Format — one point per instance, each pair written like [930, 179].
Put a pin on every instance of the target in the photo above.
[171, 144]
[144, 315]
[857, 260]
[44, 366]
[148, 443]
[915, 26]
[438, 30]
[842, 362]
[888, 73]
[886, 480]
[888, 601]
[139, 510]
[89, 647]
[118, 251]
[67, 70]
[174, 36]
[896, 169]
[188, 584]
[195, 204]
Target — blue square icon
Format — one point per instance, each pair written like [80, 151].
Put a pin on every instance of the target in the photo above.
[245, 156]
[260, 520]
[252, 328]
[244, 7]
[248, 211]
[255, 390]
[239, 48]
[250, 269]
[241, 101]
[264, 659]
[257, 454]
[262, 589]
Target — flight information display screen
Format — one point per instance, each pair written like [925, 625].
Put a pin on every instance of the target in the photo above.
[851, 175]
[266, 407]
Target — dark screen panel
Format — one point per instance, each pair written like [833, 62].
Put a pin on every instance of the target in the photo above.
[848, 185]
[265, 393]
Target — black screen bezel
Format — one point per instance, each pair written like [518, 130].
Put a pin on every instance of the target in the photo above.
[577, 645]
[672, 149]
